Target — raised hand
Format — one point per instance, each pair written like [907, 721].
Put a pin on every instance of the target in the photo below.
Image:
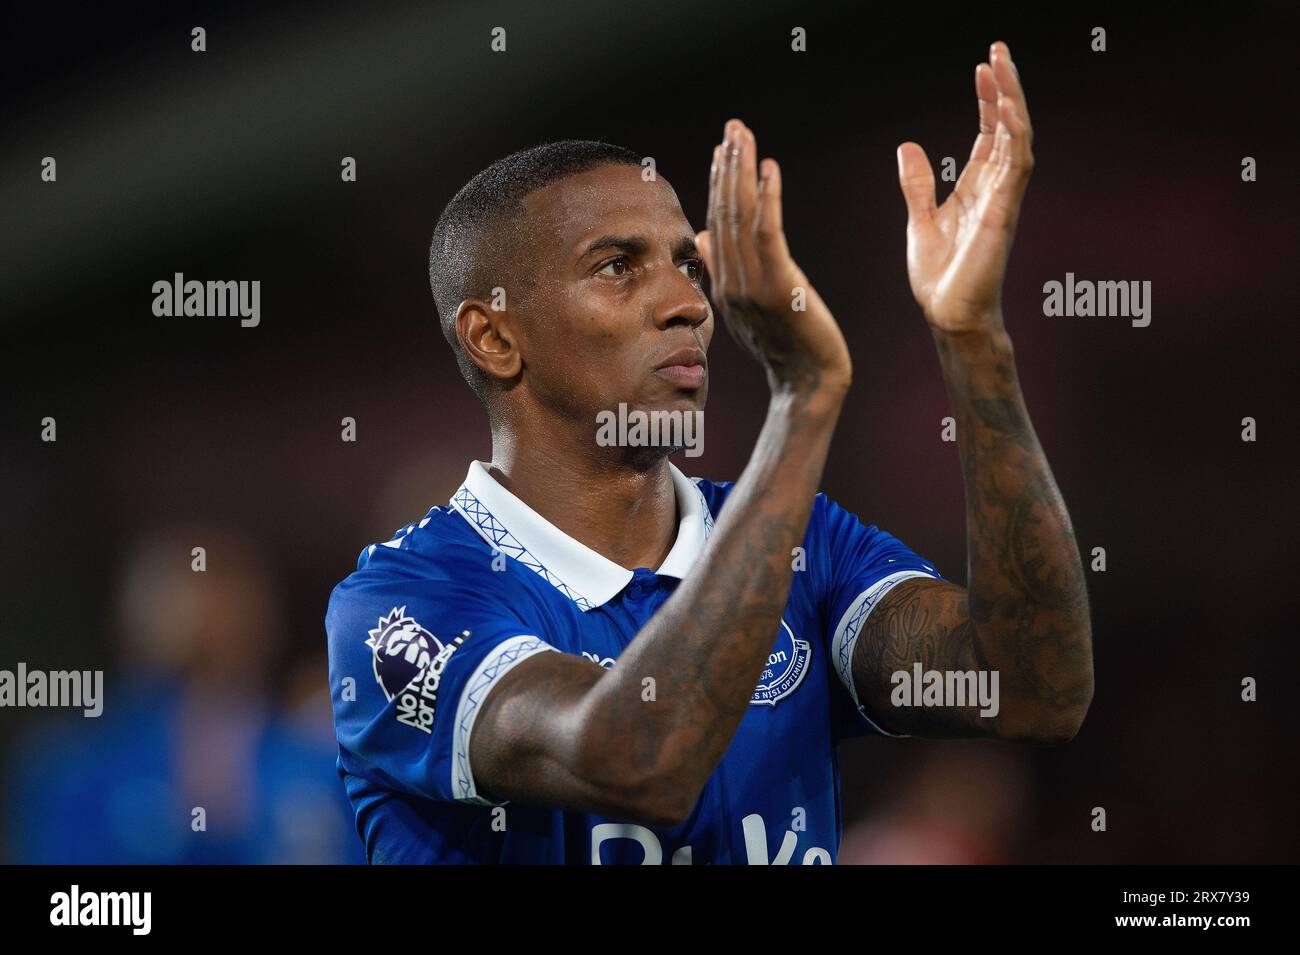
[957, 252]
[758, 287]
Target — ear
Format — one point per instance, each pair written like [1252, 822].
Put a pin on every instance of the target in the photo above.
[487, 336]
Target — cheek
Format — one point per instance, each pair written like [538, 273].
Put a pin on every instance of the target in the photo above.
[706, 330]
[597, 327]
[592, 340]
[609, 358]
[586, 358]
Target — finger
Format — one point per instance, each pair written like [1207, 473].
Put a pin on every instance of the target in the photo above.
[746, 200]
[986, 93]
[916, 179]
[1007, 78]
[717, 233]
[999, 133]
[738, 206]
[1017, 159]
[1018, 89]
[1012, 155]
[769, 220]
[1001, 139]
[702, 240]
[724, 230]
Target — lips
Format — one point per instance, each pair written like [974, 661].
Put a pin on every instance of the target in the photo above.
[684, 368]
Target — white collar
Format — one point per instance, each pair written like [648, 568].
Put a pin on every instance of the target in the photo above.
[584, 576]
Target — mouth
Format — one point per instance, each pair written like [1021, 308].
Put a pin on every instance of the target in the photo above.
[684, 368]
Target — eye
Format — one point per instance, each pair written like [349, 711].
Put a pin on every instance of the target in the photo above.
[694, 269]
[620, 262]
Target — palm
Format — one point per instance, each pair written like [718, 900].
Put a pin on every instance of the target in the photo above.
[957, 252]
[755, 281]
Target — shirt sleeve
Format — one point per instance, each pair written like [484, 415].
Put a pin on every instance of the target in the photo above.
[864, 564]
[413, 654]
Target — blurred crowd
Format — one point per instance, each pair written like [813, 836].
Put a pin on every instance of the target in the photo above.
[214, 746]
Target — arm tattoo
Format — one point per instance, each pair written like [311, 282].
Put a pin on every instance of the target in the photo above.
[1025, 613]
[923, 620]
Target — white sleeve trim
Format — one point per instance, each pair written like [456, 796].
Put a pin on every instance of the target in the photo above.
[504, 657]
[850, 625]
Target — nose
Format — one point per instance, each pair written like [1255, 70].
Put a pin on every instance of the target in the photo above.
[681, 302]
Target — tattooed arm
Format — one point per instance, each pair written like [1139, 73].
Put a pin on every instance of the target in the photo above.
[558, 730]
[1026, 612]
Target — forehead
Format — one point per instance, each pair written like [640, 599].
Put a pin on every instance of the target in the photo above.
[611, 199]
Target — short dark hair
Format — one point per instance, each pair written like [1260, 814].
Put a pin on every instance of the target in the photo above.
[474, 242]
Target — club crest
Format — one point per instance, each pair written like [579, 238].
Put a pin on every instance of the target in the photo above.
[786, 666]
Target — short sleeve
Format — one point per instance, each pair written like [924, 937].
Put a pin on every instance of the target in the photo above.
[413, 655]
[864, 564]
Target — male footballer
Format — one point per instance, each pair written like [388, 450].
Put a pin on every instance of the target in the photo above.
[588, 656]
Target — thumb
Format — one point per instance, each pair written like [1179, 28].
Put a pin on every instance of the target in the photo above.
[916, 179]
[703, 242]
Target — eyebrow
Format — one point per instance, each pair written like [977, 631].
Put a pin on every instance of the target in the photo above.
[637, 245]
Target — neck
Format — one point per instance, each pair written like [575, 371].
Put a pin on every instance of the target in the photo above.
[624, 510]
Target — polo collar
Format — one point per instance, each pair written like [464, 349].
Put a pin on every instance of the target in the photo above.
[587, 578]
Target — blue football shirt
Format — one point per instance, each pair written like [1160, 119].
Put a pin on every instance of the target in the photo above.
[430, 620]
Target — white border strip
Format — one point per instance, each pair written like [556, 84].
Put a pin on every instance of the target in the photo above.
[499, 661]
[850, 625]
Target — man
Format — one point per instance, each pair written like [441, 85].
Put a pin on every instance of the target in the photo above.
[715, 641]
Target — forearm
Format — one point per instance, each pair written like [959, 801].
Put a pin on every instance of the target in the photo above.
[704, 651]
[1027, 598]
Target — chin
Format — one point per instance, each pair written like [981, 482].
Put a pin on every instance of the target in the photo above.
[653, 427]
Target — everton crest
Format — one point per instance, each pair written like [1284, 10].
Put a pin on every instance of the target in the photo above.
[786, 666]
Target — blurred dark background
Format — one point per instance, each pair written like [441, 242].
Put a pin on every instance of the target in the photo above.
[177, 432]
